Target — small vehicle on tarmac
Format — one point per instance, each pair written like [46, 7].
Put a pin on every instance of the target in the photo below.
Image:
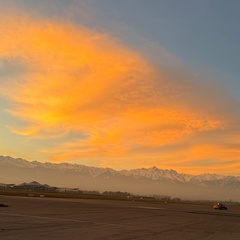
[219, 206]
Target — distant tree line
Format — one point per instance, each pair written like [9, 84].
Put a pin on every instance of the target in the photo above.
[118, 194]
[36, 187]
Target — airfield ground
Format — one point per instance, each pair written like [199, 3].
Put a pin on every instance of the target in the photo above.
[32, 218]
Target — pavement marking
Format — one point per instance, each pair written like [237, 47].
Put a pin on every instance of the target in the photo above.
[70, 220]
[154, 208]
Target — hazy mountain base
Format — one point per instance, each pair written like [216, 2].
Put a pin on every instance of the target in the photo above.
[112, 181]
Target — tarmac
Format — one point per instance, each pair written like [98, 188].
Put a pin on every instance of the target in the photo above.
[38, 218]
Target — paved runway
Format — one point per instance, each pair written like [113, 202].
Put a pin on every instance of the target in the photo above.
[29, 218]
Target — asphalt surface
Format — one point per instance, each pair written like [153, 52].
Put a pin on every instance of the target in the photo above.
[29, 218]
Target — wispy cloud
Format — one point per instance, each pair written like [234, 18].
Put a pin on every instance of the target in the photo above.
[123, 110]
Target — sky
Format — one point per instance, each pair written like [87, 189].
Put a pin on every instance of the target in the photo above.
[122, 84]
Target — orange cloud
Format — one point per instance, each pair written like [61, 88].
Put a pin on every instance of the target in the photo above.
[78, 81]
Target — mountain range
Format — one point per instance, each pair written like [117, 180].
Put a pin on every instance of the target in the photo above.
[148, 181]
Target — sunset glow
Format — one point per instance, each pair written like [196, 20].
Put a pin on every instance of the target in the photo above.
[74, 93]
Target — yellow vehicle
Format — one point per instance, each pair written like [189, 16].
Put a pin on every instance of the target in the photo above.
[219, 206]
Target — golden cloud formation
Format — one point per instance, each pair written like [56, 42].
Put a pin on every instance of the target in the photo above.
[75, 80]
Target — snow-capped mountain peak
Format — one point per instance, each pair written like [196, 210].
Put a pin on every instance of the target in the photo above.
[73, 175]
